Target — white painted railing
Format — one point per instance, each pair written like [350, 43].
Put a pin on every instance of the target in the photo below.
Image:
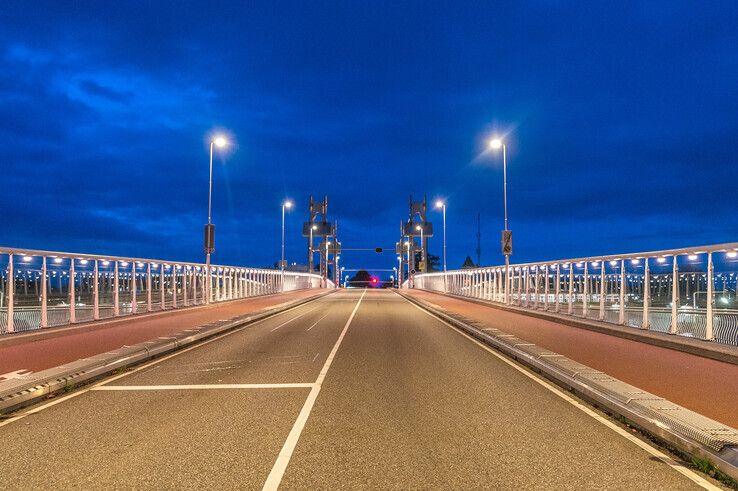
[636, 290]
[43, 288]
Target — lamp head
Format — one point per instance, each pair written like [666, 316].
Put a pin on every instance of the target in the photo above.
[495, 143]
[220, 141]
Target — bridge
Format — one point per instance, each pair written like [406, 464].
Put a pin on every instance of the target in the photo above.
[614, 371]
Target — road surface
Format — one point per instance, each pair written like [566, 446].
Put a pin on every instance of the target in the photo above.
[356, 390]
[706, 386]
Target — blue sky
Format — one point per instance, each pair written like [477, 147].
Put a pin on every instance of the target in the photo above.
[621, 120]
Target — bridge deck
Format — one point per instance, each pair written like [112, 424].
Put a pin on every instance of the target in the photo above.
[703, 385]
[392, 398]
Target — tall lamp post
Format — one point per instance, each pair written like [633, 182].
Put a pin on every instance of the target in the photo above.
[422, 249]
[220, 142]
[286, 205]
[442, 204]
[496, 144]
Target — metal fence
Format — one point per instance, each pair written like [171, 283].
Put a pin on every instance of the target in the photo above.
[688, 292]
[41, 288]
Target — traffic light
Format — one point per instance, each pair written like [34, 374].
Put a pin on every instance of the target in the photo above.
[374, 280]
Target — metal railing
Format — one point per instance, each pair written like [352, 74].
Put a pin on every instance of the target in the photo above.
[41, 289]
[688, 292]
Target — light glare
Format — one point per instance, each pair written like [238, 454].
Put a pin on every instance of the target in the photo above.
[495, 143]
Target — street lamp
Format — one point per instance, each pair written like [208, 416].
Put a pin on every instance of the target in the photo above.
[442, 204]
[496, 144]
[220, 142]
[310, 247]
[285, 205]
[422, 249]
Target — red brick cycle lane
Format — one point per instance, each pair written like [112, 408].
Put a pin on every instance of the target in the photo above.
[706, 386]
[21, 354]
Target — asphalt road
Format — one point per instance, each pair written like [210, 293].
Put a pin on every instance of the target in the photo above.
[356, 390]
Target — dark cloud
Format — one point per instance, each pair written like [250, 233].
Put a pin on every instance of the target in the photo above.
[621, 119]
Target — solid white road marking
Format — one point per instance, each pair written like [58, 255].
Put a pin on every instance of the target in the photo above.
[688, 473]
[294, 318]
[202, 386]
[40, 408]
[316, 322]
[275, 476]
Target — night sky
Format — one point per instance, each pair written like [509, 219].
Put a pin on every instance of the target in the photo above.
[621, 121]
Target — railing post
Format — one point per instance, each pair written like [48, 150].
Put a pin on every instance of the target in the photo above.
[217, 284]
[646, 293]
[603, 291]
[535, 288]
[95, 292]
[674, 297]
[162, 296]
[545, 291]
[621, 314]
[134, 287]
[185, 300]
[557, 290]
[10, 285]
[174, 286]
[116, 290]
[570, 309]
[72, 310]
[709, 334]
[44, 295]
[585, 291]
[495, 278]
[149, 285]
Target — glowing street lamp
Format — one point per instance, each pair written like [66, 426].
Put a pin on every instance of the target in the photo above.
[422, 248]
[220, 142]
[310, 249]
[287, 204]
[442, 204]
[496, 144]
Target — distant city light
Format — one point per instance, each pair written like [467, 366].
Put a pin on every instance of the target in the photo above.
[661, 259]
[57, 260]
[732, 254]
[613, 262]
[692, 257]
[27, 258]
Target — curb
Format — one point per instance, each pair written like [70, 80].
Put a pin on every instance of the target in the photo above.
[687, 431]
[698, 347]
[20, 392]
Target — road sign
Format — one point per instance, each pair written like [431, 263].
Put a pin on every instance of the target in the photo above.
[507, 242]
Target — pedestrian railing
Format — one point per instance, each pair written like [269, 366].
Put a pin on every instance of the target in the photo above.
[42, 288]
[688, 292]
